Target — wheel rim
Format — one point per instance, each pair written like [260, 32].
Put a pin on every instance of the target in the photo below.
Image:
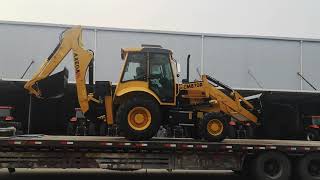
[314, 168]
[272, 168]
[139, 118]
[215, 127]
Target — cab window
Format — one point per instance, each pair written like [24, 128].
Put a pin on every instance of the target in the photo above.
[135, 68]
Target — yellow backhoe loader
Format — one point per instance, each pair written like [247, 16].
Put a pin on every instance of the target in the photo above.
[148, 94]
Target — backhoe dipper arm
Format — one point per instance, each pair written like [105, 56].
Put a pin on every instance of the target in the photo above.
[71, 39]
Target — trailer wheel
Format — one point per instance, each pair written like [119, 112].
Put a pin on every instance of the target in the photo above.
[139, 118]
[271, 166]
[214, 127]
[308, 167]
[312, 135]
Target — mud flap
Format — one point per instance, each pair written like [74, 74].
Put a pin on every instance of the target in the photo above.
[55, 85]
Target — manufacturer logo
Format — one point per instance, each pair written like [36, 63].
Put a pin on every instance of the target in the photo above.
[190, 85]
[76, 63]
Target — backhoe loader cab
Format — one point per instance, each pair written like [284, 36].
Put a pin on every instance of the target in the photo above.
[149, 70]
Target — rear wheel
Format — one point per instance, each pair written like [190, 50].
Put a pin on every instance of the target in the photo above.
[271, 166]
[139, 118]
[308, 167]
[214, 127]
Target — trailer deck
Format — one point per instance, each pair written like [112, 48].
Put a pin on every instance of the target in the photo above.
[117, 153]
[173, 144]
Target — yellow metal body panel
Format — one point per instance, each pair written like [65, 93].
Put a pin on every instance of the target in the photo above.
[199, 92]
[136, 86]
[108, 103]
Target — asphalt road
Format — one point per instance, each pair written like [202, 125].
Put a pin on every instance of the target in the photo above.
[86, 174]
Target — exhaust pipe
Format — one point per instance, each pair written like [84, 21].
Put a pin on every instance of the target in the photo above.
[188, 68]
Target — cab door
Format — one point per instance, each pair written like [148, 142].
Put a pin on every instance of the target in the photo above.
[161, 79]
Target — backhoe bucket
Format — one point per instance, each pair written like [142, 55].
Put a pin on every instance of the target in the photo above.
[54, 86]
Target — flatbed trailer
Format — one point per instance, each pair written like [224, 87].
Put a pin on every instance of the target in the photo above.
[264, 159]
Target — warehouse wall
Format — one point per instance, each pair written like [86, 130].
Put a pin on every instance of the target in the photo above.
[241, 62]
[253, 63]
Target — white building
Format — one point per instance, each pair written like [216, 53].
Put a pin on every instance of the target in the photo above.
[248, 62]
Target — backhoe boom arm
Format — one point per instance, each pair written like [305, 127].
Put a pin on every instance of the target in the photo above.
[71, 39]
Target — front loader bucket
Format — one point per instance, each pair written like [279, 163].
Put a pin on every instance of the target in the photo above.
[54, 86]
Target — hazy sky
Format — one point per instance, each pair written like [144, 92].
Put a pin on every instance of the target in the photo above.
[291, 18]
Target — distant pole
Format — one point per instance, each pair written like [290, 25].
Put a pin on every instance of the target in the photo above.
[299, 74]
[29, 115]
[27, 69]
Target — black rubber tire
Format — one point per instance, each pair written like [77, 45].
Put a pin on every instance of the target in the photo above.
[139, 101]
[209, 116]
[258, 166]
[312, 135]
[232, 132]
[303, 170]
[71, 129]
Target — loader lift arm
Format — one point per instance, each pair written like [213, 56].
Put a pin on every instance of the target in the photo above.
[71, 39]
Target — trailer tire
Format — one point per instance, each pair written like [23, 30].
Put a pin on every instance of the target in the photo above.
[271, 166]
[151, 120]
[308, 167]
[222, 127]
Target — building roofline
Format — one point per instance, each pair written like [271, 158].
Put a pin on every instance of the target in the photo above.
[160, 31]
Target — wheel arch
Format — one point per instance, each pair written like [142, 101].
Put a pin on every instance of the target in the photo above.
[122, 96]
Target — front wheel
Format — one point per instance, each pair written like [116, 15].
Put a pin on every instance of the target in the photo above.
[139, 118]
[214, 127]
